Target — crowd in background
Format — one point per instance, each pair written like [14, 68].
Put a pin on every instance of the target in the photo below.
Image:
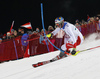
[25, 35]
[95, 19]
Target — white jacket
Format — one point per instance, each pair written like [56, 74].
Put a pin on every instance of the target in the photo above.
[71, 31]
[60, 34]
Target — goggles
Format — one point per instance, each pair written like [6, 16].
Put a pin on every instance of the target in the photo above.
[57, 24]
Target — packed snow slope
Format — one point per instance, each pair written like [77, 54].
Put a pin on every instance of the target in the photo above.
[86, 65]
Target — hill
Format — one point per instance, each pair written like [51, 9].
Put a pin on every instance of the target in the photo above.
[86, 65]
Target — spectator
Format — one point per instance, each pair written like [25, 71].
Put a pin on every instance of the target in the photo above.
[22, 31]
[50, 29]
[34, 32]
[0, 40]
[34, 44]
[15, 33]
[19, 32]
[83, 22]
[8, 35]
[4, 37]
[91, 20]
[78, 26]
[92, 25]
[42, 42]
[51, 48]
[37, 30]
[98, 27]
[77, 21]
[42, 37]
[42, 31]
[97, 18]
[29, 32]
[12, 33]
[24, 41]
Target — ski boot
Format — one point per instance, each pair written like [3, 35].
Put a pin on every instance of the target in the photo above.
[56, 58]
[62, 54]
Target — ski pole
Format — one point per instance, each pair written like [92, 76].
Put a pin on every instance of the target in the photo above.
[89, 49]
[86, 50]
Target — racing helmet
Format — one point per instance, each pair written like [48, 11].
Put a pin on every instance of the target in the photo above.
[59, 20]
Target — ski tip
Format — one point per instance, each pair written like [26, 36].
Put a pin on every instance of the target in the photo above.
[38, 64]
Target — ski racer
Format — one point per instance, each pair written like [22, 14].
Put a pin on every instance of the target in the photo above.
[72, 37]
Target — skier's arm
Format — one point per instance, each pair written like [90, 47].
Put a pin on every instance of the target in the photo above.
[53, 33]
[56, 31]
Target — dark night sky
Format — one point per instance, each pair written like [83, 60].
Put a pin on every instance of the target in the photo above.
[23, 11]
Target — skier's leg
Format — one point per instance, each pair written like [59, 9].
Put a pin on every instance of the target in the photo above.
[63, 48]
[55, 58]
[62, 54]
[78, 42]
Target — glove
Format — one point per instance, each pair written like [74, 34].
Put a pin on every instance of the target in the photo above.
[49, 35]
[73, 51]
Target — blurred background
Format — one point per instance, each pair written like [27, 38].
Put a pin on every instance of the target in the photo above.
[23, 11]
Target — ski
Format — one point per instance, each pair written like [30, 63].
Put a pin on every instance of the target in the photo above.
[40, 63]
[51, 60]
[46, 62]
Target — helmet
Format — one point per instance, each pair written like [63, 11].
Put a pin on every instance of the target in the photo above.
[59, 20]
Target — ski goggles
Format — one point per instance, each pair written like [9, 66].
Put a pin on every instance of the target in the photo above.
[57, 24]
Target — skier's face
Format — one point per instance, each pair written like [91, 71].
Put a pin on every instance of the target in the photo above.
[58, 25]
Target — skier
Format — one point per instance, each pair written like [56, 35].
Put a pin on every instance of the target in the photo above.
[72, 37]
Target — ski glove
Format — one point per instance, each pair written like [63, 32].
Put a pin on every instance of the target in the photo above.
[49, 35]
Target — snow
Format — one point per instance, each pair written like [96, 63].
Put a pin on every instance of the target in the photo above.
[86, 65]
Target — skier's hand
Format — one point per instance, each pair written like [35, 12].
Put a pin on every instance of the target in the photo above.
[49, 35]
[73, 51]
